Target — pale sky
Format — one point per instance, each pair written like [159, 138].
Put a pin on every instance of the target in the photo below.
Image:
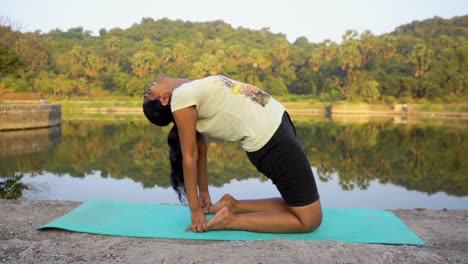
[316, 20]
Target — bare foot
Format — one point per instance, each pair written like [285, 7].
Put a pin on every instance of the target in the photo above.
[220, 220]
[226, 201]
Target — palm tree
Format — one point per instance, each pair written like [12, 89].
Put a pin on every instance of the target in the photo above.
[78, 57]
[280, 52]
[180, 53]
[143, 63]
[255, 57]
[387, 46]
[211, 63]
[350, 58]
[419, 58]
[367, 45]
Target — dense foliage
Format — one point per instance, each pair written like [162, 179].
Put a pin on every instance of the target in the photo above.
[422, 60]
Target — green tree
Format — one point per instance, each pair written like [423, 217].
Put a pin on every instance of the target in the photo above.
[180, 53]
[211, 64]
[144, 63]
[368, 48]
[198, 70]
[386, 46]
[29, 50]
[255, 56]
[264, 64]
[280, 53]
[92, 68]
[350, 59]
[235, 59]
[78, 60]
[116, 80]
[134, 86]
[317, 59]
[64, 85]
[45, 83]
[112, 46]
[323, 55]
[10, 62]
[366, 87]
[276, 86]
[419, 58]
[214, 45]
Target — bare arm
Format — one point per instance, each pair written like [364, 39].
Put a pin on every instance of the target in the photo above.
[204, 195]
[186, 123]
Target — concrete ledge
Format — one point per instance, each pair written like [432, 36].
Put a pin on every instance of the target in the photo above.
[15, 117]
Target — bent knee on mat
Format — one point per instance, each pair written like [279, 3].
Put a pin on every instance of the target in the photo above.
[311, 224]
[310, 216]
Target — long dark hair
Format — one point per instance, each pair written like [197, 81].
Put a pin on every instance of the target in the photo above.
[161, 115]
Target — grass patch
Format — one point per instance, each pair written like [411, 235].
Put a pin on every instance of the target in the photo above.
[430, 107]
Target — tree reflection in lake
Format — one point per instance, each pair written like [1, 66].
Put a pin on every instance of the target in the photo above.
[426, 158]
[12, 188]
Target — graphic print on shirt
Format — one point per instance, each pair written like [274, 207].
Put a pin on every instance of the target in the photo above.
[255, 94]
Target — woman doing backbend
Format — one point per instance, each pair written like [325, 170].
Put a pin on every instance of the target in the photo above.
[234, 111]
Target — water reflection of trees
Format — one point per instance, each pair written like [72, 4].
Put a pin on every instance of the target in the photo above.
[134, 150]
[423, 158]
[12, 187]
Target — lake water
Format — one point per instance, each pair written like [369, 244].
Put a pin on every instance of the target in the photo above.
[384, 163]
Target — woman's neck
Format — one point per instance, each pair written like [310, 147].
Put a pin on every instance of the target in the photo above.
[179, 81]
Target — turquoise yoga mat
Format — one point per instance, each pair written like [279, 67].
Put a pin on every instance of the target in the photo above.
[109, 217]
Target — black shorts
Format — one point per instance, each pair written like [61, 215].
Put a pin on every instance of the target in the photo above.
[284, 162]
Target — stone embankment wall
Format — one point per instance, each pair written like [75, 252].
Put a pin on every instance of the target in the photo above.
[402, 110]
[15, 117]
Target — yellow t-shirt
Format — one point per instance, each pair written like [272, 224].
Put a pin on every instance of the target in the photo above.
[231, 110]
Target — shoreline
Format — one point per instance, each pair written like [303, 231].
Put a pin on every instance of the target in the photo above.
[444, 231]
[304, 107]
[294, 111]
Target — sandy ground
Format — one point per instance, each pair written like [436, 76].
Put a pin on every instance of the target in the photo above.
[445, 234]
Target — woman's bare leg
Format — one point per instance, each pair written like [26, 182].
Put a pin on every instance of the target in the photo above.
[248, 206]
[294, 220]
